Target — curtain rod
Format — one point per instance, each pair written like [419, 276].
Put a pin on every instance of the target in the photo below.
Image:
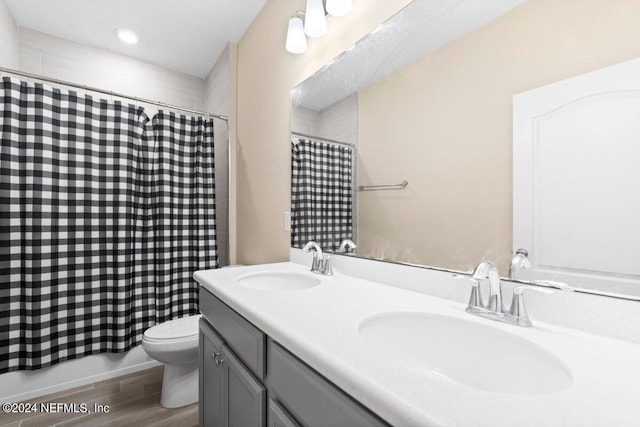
[111, 93]
[323, 139]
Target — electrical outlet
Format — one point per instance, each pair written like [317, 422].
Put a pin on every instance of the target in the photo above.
[287, 221]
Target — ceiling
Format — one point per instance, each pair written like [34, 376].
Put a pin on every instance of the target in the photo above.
[184, 35]
[419, 29]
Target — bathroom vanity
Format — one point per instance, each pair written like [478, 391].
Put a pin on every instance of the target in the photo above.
[245, 375]
[281, 346]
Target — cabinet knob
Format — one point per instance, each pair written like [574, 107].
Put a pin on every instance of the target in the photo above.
[219, 361]
[215, 355]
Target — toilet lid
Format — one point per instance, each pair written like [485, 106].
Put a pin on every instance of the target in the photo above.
[174, 329]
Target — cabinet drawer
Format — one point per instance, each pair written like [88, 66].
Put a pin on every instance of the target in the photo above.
[278, 416]
[244, 339]
[310, 398]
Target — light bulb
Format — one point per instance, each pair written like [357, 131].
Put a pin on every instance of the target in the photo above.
[338, 7]
[127, 36]
[296, 40]
[315, 23]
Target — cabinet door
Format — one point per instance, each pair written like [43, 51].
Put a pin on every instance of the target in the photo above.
[211, 378]
[245, 398]
[278, 416]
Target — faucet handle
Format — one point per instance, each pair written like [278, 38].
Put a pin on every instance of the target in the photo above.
[316, 265]
[326, 265]
[518, 310]
[475, 299]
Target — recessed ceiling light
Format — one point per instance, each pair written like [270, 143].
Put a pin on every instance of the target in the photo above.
[127, 36]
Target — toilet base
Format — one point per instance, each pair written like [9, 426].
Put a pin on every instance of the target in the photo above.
[179, 385]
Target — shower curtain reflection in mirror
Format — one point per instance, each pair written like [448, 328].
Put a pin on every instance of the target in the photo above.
[321, 193]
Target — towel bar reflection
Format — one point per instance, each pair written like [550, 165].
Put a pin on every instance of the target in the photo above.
[400, 186]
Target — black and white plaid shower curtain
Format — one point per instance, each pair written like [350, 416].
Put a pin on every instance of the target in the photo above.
[85, 220]
[184, 215]
[321, 193]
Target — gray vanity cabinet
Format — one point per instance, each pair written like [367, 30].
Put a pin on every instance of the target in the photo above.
[237, 360]
[245, 399]
[310, 398]
[230, 396]
[278, 416]
[211, 390]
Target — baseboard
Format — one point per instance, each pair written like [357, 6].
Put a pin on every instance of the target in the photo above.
[40, 388]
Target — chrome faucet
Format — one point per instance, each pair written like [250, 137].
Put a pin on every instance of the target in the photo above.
[347, 246]
[321, 262]
[520, 260]
[486, 270]
[494, 309]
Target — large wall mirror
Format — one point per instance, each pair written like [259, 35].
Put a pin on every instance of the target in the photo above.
[462, 131]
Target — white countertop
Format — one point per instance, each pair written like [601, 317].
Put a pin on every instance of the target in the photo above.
[320, 326]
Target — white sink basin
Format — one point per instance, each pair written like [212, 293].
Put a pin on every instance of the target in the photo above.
[278, 281]
[467, 352]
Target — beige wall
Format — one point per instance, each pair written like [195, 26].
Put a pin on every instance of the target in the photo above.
[266, 74]
[446, 121]
[8, 38]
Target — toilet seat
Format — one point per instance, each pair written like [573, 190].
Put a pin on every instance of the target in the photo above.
[183, 329]
[170, 340]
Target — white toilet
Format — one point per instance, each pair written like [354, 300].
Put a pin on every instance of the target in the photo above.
[175, 343]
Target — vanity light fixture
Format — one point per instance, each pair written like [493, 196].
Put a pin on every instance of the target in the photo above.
[296, 40]
[338, 7]
[127, 36]
[314, 24]
[315, 21]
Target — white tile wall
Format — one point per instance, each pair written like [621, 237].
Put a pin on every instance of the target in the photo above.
[51, 56]
[216, 100]
[8, 38]
[305, 120]
[340, 120]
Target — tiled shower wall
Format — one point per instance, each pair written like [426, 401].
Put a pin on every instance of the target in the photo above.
[216, 95]
[305, 120]
[338, 121]
[62, 59]
[8, 38]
